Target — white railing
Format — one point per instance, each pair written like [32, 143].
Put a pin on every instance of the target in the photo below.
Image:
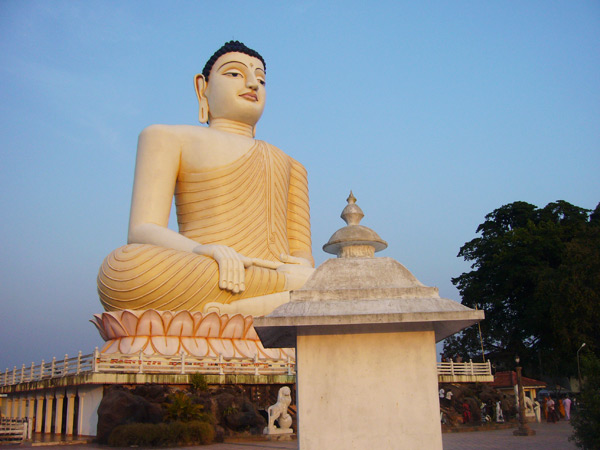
[470, 368]
[14, 431]
[120, 363]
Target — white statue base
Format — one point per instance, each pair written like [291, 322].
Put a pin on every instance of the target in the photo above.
[192, 333]
[277, 431]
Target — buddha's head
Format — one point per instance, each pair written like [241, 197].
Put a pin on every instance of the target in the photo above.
[232, 85]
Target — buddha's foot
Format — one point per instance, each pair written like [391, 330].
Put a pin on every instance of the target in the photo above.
[254, 306]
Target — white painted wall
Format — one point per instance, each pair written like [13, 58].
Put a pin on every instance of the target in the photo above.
[368, 391]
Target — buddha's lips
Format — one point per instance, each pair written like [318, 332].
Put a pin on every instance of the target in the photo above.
[250, 96]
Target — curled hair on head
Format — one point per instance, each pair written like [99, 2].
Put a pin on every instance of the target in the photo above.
[230, 47]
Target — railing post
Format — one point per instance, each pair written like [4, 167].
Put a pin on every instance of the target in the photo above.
[22, 373]
[94, 361]
[451, 367]
[66, 365]
[42, 369]
[221, 371]
[31, 371]
[6, 377]
[489, 363]
[141, 358]
[289, 366]
[471, 363]
[79, 362]
[53, 367]
[182, 362]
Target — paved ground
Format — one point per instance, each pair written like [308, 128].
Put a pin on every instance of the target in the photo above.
[549, 437]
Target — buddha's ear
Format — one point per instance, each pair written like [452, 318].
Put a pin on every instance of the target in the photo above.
[200, 85]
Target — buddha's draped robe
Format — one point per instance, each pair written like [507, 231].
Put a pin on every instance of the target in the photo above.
[257, 205]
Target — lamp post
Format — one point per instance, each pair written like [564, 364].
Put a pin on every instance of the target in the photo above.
[523, 429]
[578, 369]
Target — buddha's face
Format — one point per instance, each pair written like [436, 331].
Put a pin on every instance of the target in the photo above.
[236, 88]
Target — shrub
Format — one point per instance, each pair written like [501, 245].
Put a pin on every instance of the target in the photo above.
[152, 435]
[201, 432]
[141, 434]
[181, 408]
[198, 382]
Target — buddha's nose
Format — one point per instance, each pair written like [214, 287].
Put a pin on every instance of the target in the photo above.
[252, 83]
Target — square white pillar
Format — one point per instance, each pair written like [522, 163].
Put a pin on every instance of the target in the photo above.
[39, 413]
[59, 410]
[70, 413]
[48, 422]
[89, 401]
[368, 391]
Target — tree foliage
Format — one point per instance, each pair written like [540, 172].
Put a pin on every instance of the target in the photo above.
[536, 273]
[586, 419]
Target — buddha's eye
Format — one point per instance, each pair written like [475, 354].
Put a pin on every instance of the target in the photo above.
[233, 74]
[262, 82]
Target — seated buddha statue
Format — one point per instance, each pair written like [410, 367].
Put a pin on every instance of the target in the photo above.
[242, 207]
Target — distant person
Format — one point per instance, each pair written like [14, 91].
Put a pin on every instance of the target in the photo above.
[499, 415]
[567, 404]
[459, 359]
[537, 410]
[561, 408]
[551, 410]
[466, 412]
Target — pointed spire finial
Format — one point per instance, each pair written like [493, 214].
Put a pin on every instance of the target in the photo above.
[352, 214]
[354, 240]
[351, 198]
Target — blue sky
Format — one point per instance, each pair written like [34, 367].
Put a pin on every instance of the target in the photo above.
[433, 113]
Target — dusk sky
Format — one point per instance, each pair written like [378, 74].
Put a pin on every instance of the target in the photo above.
[433, 113]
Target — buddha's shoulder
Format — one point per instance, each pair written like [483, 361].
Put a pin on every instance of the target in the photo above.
[175, 131]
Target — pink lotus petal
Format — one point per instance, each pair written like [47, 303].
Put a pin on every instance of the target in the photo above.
[223, 347]
[150, 324]
[181, 325]
[210, 326]
[234, 329]
[111, 346]
[251, 334]
[195, 346]
[129, 321]
[268, 353]
[244, 349]
[112, 326]
[99, 326]
[165, 345]
[248, 324]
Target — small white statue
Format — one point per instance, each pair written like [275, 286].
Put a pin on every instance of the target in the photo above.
[278, 412]
[499, 415]
[537, 408]
[529, 406]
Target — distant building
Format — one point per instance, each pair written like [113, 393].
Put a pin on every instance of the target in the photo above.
[505, 382]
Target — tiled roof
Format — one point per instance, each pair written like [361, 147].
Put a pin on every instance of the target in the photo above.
[509, 379]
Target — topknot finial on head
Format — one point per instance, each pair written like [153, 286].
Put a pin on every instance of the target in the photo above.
[230, 47]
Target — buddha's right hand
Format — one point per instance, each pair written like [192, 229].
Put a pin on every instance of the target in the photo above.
[232, 265]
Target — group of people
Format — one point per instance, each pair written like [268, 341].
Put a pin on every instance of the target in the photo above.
[555, 410]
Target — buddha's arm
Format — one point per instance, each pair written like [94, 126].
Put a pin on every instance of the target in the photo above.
[298, 219]
[156, 170]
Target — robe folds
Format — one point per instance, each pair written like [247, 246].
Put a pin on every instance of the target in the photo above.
[257, 205]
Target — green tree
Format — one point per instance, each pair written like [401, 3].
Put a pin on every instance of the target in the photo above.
[586, 420]
[536, 273]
